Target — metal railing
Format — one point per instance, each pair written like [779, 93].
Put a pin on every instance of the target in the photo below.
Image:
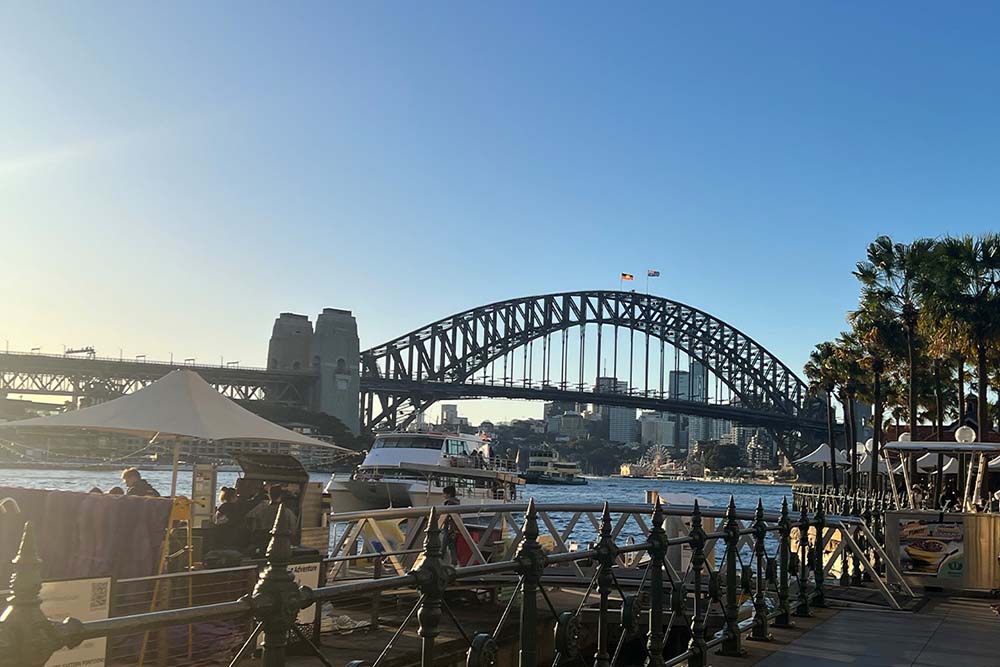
[676, 615]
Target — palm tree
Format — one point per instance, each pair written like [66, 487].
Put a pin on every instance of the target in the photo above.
[890, 275]
[850, 355]
[878, 332]
[823, 374]
[962, 291]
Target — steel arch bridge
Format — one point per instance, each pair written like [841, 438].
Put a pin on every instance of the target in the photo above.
[492, 351]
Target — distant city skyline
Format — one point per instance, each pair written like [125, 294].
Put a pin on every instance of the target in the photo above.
[407, 163]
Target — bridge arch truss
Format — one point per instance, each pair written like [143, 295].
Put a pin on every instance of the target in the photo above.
[494, 350]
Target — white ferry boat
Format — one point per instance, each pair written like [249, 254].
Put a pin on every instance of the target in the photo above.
[545, 467]
[413, 469]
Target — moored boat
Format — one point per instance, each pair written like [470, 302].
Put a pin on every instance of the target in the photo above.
[545, 467]
[412, 469]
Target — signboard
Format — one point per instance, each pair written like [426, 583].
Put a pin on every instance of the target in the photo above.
[86, 600]
[932, 548]
[203, 484]
[306, 574]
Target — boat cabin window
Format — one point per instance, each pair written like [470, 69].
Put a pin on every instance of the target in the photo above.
[407, 442]
[457, 448]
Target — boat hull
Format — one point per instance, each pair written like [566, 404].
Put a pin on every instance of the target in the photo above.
[530, 478]
[354, 495]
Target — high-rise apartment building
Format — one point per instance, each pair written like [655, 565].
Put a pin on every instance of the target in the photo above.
[622, 425]
[449, 413]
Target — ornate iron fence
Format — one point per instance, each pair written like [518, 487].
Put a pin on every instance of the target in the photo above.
[769, 568]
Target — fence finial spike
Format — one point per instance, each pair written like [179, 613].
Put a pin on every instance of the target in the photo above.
[530, 531]
[658, 512]
[279, 547]
[606, 520]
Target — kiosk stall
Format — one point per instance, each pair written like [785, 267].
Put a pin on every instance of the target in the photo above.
[950, 545]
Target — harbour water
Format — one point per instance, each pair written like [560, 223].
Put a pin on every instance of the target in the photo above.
[622, 490]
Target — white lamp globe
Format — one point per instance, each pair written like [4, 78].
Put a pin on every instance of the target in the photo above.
[965, 434]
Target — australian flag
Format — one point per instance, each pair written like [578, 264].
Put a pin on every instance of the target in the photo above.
[653, 273]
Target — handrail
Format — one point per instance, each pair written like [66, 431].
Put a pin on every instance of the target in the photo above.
[614, 508]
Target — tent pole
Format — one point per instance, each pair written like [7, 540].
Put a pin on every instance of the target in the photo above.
[173, 470]
[892, 479]
[907, 481]
[967, 490]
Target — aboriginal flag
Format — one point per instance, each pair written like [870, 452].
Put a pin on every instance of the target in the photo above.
[628, 276]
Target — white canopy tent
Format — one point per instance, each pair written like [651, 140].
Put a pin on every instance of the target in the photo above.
[821, 455]
[865, 464]
[929, 461]
[178, 406]
[950, 468]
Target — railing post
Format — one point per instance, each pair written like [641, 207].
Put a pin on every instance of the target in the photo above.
[759, 630]
[699, 651]
[867, 518]
[802, 602]
[277, 598]
[845, 564]
[731, 641]
[878, 530]
[27, 637]
[433, 577]
[657, 557]
[855, 561]
[606, 553]
[819, 597]
[378, 565]
[783, 619]
[531, 565]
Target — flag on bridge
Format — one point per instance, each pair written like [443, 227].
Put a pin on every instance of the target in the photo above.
[628, 276]
[652, 273]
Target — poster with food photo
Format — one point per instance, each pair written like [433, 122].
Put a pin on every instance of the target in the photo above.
[933, 548]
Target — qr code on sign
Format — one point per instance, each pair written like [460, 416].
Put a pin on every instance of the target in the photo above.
[98, 595]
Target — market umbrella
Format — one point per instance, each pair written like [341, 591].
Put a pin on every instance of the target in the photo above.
[178, 406]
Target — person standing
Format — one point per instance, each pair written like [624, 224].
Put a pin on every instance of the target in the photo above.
[227, 520]
[136, 485]
[451, 496]
[949, 499]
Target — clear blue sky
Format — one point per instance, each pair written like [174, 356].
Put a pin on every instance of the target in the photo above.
[172, 176]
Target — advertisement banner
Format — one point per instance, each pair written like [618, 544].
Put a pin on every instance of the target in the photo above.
[86, 600]
[932, 548]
